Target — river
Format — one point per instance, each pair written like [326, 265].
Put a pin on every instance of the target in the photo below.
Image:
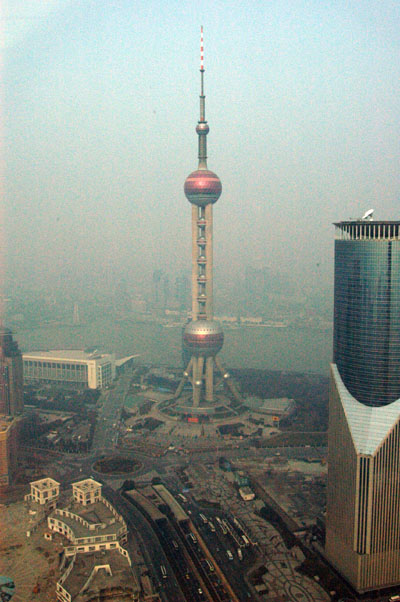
[292, 349]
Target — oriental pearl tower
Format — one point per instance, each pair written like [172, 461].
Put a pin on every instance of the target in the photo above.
[202, 337]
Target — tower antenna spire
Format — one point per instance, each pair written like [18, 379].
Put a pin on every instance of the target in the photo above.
[202, 128]
[201, 50]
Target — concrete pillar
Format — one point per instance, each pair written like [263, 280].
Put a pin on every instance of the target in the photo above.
[229, 382]
[195, 303]
[210, 379]
[209, 264]
[198, 363]
[183, 379]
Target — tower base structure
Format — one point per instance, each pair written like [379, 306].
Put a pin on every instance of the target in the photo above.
[363, 495]
[200, 372]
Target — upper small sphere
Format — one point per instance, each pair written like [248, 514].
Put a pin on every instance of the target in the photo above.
[203, 337]
[202, 128]
[202, 187]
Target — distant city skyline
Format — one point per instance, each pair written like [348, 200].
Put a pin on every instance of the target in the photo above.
[98, 101]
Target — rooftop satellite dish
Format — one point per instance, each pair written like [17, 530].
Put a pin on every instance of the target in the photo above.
[368, 215]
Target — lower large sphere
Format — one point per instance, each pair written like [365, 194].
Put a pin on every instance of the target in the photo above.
[202, 187]
[203, 338]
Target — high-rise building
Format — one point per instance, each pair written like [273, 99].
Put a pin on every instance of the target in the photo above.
[182, 292]
[11, 377]
[363, 496]
[76, 320]
[9, 436]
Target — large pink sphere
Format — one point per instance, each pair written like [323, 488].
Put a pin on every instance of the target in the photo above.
[203, 338]
[202, 187]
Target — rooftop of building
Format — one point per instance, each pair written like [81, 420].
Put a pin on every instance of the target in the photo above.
[169, 499]
[365, 222]
[123, 360]
[8, 347]
[147, 505]
[66, 355]
[367, 230]
[121, 577]
[277, 405]
[44, 484]
[94, 514]
[86, 485]
[6, 422]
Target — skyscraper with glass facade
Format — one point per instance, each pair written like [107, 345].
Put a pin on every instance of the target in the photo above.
[363, 498]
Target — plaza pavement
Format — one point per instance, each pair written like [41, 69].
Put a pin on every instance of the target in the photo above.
[281, 579]
[28, 561]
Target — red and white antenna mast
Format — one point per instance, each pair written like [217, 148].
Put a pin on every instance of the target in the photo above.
[201, 50]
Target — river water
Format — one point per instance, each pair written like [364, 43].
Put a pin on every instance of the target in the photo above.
[290, 349]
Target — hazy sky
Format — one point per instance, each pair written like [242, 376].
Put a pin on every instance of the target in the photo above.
[100, 102]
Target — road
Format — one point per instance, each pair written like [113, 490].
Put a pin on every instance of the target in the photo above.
[106, 433]
[150, 547]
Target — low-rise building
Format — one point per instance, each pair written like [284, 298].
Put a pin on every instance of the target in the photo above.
[75, 367]
[86, 492]
[96, 565]
[271, 410]
[44, 492]
[97, 576]
[246, 494]
[89, 521]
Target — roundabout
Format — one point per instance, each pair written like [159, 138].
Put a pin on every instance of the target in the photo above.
[116, 465]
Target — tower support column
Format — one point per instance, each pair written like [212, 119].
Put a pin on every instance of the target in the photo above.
[209, 264]
[210, 379]
[184, 379]
[198, 364]
[195, 303]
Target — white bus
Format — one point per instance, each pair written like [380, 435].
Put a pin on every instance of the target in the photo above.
[203, 518]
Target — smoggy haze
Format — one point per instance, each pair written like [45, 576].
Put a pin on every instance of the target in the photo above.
[100, 108]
